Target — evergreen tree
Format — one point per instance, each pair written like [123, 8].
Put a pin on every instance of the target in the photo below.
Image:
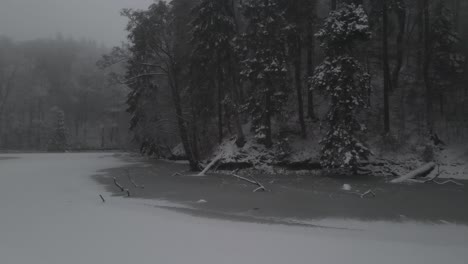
[58, 138]
[448, 60]
[265, 64]
[214, 31]
[343, 80]
[445, 61]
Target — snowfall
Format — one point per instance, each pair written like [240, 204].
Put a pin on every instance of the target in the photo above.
[51, 212]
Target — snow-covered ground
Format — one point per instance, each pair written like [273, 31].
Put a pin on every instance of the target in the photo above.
[50, 212]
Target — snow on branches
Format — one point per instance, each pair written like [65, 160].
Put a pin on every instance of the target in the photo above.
[267, 67]
[341, 78]
[344, 26]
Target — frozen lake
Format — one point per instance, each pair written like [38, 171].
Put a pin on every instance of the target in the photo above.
[50, 212]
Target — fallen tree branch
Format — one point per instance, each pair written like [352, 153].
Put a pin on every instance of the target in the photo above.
[131, 180]
[369, 192]
[448, 181]
[118, 185]
[208, 167]
[364, 194]
[426, 168]
[252, 180]
[434, 179]
[102, 198]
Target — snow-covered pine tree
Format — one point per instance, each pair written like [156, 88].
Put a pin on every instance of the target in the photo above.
[341, 78]
[58, 137]
[265, 64]
[448, 60]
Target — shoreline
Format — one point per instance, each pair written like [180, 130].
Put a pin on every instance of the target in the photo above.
[297, 196]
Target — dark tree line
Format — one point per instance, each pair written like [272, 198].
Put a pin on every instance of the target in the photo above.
[250, 70]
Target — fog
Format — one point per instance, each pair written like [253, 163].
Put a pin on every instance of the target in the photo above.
[97, 20]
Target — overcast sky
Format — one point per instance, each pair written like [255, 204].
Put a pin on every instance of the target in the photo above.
[91, 19]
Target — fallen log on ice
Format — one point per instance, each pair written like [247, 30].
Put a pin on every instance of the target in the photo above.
[425, 169]
[208, 167]
[252, 180]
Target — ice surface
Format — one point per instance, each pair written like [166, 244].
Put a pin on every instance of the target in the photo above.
[50, 212]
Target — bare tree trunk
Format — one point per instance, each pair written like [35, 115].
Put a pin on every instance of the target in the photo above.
[183, 131]
[386, 68]
[310, 70]
[267, 116]
[419, 54]
[235, 94]
[220, 101]
[102, 137]
[427, 63]
[333, 4]
[298, 82]
[31, 126]
[5, 90]
[401, 13]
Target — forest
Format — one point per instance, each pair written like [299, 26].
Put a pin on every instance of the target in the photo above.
[233, 131]
[331, 84]
[54, 97]
[252, 83]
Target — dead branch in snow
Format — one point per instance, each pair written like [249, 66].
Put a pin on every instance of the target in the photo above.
[448, 181]
[433, 178]
[176, 174]
[369, 192]
[133, 182]
[252, 180]
[364, 194]
[426, 168]
[102, 198]
[118, 185]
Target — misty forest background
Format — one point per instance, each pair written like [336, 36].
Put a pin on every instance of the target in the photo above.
[249, 81]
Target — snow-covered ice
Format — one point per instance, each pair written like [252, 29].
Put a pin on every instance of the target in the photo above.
[50, 212]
